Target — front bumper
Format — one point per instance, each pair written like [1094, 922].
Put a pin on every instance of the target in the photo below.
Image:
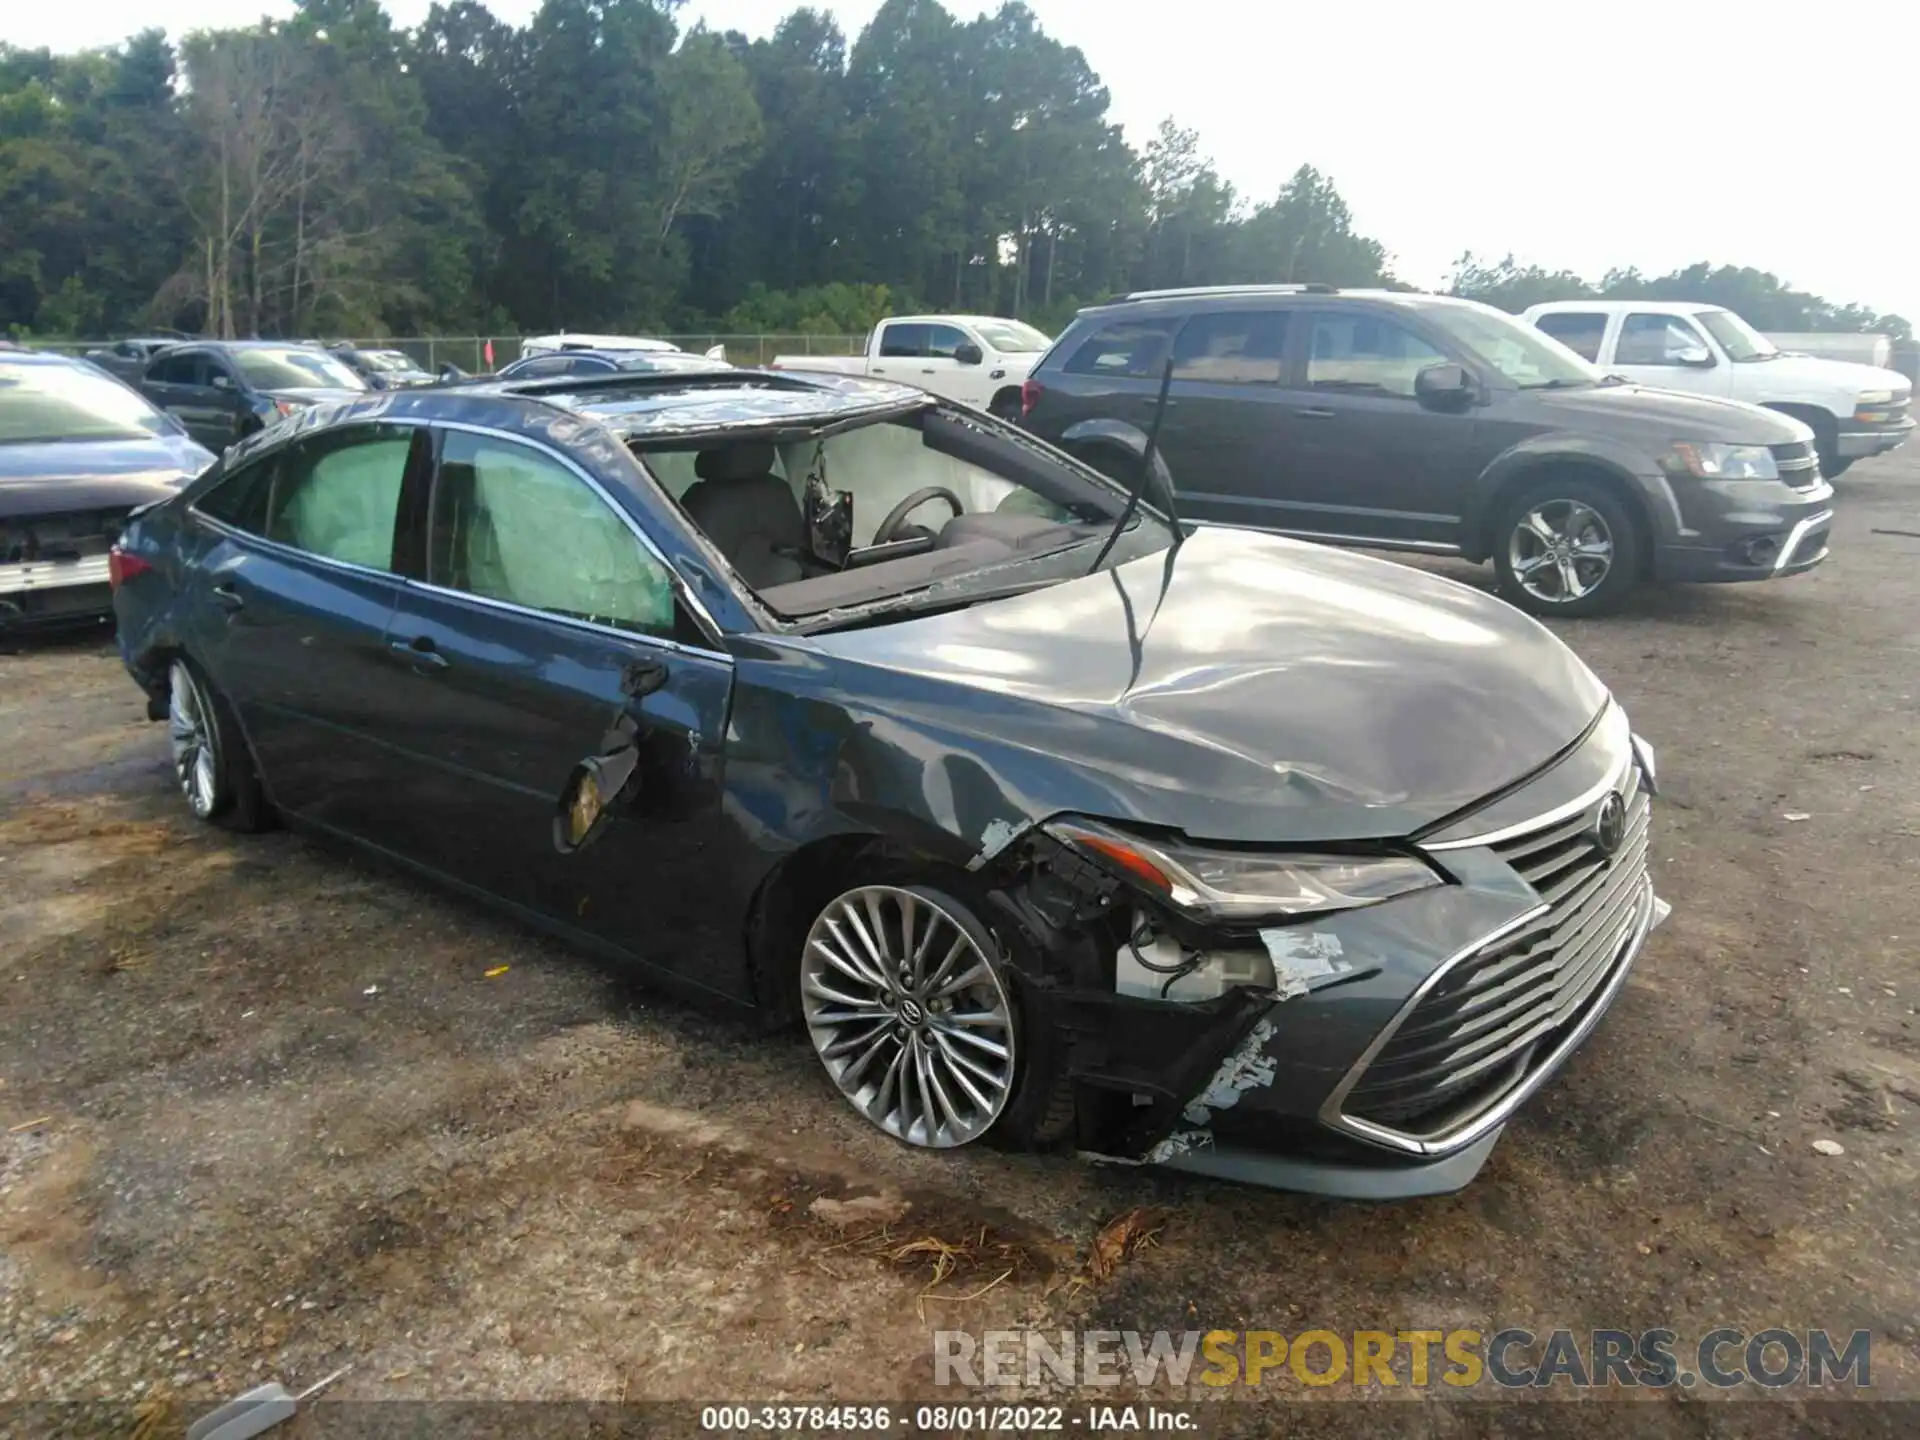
[1396, 1071]
[1741, 530]
[1856, 441]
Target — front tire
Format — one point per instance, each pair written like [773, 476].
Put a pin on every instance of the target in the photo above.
[1566, 547]
[907, 999]
[211, 762]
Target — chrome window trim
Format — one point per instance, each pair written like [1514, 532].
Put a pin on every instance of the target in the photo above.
[681, 589]
[574, 622]
[1647, 911]
[280, 547]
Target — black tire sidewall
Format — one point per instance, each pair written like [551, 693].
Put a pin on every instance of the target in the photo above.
[1621, 579]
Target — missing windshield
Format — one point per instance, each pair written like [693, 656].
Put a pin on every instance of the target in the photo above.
[884, 509]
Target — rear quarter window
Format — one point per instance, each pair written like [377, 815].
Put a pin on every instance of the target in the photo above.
[1123, 348]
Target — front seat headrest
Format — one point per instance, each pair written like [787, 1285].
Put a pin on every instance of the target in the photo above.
[735, 462]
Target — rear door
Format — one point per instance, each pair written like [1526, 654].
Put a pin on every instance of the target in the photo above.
[1371, 462]
[1229, 435]
[290, 603]
[901, 347]
[541, 629]
[180, 382]
[1669, 351]
[1582, 331]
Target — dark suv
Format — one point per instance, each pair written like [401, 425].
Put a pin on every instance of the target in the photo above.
[1426, 423]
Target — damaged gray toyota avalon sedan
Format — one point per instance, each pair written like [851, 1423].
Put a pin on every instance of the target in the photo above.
[1050, 822]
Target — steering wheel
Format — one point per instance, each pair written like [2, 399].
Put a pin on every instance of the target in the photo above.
[896, 517]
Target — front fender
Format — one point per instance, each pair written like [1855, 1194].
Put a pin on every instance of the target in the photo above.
[1622, 463]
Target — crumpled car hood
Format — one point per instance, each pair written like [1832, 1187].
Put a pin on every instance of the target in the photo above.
[1243, 688]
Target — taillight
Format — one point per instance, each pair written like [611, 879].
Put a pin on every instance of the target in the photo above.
[122, 566]
[1029, 397]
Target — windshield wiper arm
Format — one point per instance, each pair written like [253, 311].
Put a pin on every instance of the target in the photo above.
[1146, 470]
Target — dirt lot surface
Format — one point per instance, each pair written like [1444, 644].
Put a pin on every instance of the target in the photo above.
[266, 1110]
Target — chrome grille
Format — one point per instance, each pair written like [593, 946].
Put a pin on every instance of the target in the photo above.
[1470, 1038]
[1798, 464]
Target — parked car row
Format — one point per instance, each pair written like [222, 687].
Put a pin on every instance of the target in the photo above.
[1051, 820]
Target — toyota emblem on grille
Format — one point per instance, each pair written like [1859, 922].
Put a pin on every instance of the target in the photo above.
[1610, 826]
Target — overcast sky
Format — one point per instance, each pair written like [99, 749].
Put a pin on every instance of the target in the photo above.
[1629, 133]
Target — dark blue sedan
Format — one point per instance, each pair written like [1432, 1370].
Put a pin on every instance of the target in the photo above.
[1048, 820]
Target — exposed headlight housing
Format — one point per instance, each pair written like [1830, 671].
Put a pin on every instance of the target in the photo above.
[1715, 461]
[1226, 886]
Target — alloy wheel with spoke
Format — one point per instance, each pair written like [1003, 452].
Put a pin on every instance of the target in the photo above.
[908, 1015]
[193, 739]
[1561, 551]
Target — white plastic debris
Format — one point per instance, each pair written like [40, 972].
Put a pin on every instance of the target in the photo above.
[1796, 815]
[371, 990]
[260, 1409]
[1829, 1147]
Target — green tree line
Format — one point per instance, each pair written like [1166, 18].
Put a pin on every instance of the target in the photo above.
[606, 167]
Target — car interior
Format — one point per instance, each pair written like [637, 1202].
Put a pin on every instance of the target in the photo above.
[819, 521]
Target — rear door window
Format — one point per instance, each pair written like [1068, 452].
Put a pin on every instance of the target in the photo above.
[1233, 347]
[1134, 348]
[188, 369]
[337, 496]
[903, 342]
[1581, 331]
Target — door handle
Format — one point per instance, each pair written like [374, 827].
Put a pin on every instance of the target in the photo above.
[879, 370]
[929, 371]
[642, 677]
[1315, 412]
[419, 653]
[228, 598]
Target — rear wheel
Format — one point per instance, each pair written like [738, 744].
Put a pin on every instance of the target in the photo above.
[210, 759]
[1566, 547]
[906, 998]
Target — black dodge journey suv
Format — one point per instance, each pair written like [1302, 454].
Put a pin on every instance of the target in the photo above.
[1426, 423]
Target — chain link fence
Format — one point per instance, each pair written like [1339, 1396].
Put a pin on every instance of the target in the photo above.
[469, 352]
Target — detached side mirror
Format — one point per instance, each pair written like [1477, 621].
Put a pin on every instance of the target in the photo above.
[968, 353]
[1695, 357]
[1444, 387]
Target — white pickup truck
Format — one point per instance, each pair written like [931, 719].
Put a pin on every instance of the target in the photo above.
[979, 360]
[1855, 410]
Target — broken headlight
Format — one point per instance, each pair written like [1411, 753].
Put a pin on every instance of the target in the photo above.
[1222, 886]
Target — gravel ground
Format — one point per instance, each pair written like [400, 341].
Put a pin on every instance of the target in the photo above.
[265, 1111]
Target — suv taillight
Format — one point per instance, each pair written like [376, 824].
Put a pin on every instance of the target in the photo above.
[1029, 397]
[122, 567]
